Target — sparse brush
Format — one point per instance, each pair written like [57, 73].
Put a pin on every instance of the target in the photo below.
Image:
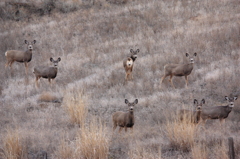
[64, 150]
[76, 107]
[12, 146]
[142, 152]
[93, 141]
[181, 134]
[199, 151]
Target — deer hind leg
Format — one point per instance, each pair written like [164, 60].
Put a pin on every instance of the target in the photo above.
[170, 80]
[120, 129]
[36, 82]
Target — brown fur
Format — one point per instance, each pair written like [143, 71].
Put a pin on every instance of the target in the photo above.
[218, 112]
[20, 56]
[129, 68]
[178, 70]
[46, 72]
[124, 119]
[195, 115]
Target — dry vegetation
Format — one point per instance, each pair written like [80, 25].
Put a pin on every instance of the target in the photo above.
[70, 118]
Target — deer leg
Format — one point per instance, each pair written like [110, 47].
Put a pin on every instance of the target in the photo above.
[26, 67]
[120, 129]
[36, 82]
[170, 80]
[186, 80]
[125, 129]
[162, 80]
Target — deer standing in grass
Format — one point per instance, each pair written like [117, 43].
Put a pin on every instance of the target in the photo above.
[193, 116]
[47, 72]
[20, 56]
[179, 70]
[128, 64]
[124, 119]
[218, 112]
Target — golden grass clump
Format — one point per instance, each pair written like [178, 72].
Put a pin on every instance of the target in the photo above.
[76, 107]
[181, 133]
[199, 151]
[93, 140]
[12, 146]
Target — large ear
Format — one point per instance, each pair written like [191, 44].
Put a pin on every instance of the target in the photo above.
[131, 50]
[34, 42]
[226, 97]
[59, 59]
[126, 101]
[195, 54]
[138, 50]
[195, 101]
[187, 54]
[26, 42]
[136, 101]
[203, 101]
[51, 59]
[235, 98]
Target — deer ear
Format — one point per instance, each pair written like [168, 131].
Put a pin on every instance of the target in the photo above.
[59, 59]
[136, 101]
[51, 59]
[26, 42]
[195, 101]
[195, 54]
[187, 54]
[226, 97]
[34, 42]
[131, 50]
[138, 50]
[235, 98]
[203, 101]
[126, 101]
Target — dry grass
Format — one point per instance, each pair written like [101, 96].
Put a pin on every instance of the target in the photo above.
[13, 147]
[76, 107]
[181, 134]
[93, 140]
[92, 38]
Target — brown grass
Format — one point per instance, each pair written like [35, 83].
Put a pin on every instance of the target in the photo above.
[12, 145]
[76, 107]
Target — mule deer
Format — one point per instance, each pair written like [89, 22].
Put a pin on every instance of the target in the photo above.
[193, 116]
[128, 64]
[179, 70]
[218, 112]
[46, 72]
[20, 56]
[124, 119]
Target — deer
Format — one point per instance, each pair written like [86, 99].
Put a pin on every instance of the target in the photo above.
[47, 72]
[193, 115]
[218, 112]
[124, 119]
[179, 70]
[20, 56]
[128, 64]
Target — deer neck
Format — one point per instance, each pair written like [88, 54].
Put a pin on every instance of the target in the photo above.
[133, 58]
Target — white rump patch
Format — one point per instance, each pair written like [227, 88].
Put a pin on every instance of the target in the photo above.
[6, 53]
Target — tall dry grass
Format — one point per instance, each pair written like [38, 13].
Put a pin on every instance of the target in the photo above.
[13, 147]
[93, 140]
[76, 107]
[181, 133]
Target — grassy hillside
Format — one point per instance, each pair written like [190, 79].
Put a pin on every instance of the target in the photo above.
[72, 118]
